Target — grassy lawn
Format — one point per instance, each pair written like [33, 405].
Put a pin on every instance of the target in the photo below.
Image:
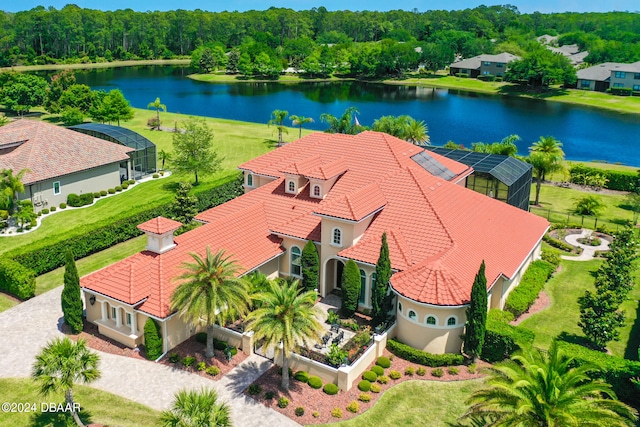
[98, 407]
[411, 403]
[6, 302]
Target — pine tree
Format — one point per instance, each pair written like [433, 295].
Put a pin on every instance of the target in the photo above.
[379, 300]
[310, 263]
[152, 339]
[476, 316]
[184, 206]
[70, 299]
[350, 283]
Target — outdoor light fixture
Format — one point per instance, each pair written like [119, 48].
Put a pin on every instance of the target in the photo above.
[92, 299]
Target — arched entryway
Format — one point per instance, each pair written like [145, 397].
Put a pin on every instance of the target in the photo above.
[332, 274]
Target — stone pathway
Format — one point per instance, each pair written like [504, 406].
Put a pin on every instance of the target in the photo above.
[27, 327]
[588, 252]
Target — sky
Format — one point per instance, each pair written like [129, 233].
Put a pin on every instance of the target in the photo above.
[525, 6]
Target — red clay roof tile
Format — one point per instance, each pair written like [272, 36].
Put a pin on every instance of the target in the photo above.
[160, 225]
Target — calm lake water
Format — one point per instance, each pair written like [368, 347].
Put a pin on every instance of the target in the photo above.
[462, 117]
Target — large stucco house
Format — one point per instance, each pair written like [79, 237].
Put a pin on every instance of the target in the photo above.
[60, 161]
[342, 192]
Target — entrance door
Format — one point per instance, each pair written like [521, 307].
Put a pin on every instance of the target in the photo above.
[339, 269]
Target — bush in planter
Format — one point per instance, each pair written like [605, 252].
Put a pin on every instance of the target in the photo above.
[174, 357]
[96, 195]
[364, 385]
[45, 211]
[299, 411]
[370, 376]
[74, 200]
[437, 372]
[155, 175]
[53, 208]
[103, 193]
[394, 375]
[330, 389]
[63, 206]
[125, 185]
[316, 414]
[410, 371]
[379, 370]
[283, 402]
[302, 376]
[201, 337]
[118, 188]
[254, 389]
[336, 413]
[188, 361]
[212, 370]
[375, 388]
[383, 362]
[383, 379]
[132, 181]
[422, 357]
[453, 370]
[421, 371]
[269, 395]
[364, 397]
[111, 191]
[353, 406]
[201, 366]
[153, 340]
[315, 382]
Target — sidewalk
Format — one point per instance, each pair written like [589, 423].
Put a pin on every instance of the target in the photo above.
[588, 251]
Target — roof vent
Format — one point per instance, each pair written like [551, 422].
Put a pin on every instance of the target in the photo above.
[159, 233]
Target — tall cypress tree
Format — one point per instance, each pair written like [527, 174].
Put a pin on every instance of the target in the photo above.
[152, 339]
[310, 263]
[476, 316]
[350, 283]
[379, 300]
[70, 299]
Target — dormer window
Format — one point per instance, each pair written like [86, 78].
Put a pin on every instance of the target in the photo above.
[291, 186]
[336, 237]
[250, 180]
[316, 191]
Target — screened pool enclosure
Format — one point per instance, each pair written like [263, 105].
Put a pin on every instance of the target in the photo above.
[143, 160]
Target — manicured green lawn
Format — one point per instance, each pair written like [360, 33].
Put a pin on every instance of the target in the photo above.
[417, 403]
[97, 407]
[6, 302]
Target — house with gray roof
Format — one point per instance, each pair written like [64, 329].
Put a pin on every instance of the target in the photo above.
[610, 74]
[60, 161]
[495, 65]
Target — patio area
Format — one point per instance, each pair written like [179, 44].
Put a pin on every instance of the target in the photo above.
[333, 334]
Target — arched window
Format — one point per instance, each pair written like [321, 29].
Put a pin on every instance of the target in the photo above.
[316, 191]
[400, 307]
[291, 185]
[431, 320]
[296, 268]
[412, 315]
[250, 180]
[451, 321]
[336, 238]
[363, 286]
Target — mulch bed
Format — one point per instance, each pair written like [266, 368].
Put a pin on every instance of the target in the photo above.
[316, 400]
[540, 304]
[189, 347]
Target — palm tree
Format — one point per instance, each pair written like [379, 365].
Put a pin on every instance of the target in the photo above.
[416, 132]
[277, 119]
[210, 292]
[157, 106]
[163, 156]
[542, 389]
[197, 409]
[300, 121]
[347, 123]
[285, 318]
[61, 364]
[11, 185]
[546, 156]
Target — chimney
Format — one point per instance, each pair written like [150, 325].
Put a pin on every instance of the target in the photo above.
[159, 233]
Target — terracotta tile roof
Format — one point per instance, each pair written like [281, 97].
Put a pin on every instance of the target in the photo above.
[159, 225]
[50, 151]
[438, 232]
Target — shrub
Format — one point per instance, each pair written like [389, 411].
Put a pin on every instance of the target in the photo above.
[502, 340]
[364, 397]
[63, 205]
[410, 371]
[383, 362]
[299, 411]
[302, 376]
[173, 357]
[212, 370]
[330, 389]
[131, 181]
[124, 185]
[353, 406]
[394, 375]
[421, 371]
[280, 371]
[437, 372]
[379, 370]
[500, 315]
[383, 379]
[254, 389]
[472, 368]
[152, 339]
[269, 395]
[375, 388]
[525, 294]
[283, 402]
[118, 188]
[45, 211]
[201, 366]
[558, 244]
[422, 357]
[103, 193]
[97, 195]
[111, 191]
[315, 382]
[155, 175]
[315, 414]
[201, 337]
[364, 385]
[336, 413]
[53, 208]
[188, 361]
[16, 279]
[350, 284]
[73, 200]
[615, 180]
[453, 370]
[369, 376]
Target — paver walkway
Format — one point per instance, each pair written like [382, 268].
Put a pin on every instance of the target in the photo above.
[27, 327]
[588, 252]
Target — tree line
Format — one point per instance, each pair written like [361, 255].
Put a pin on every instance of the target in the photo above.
[73, 34]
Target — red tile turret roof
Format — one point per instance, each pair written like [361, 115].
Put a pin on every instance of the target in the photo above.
[159, 225]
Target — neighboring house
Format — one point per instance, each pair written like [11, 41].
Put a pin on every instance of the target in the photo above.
[342, 192]
[571, 51]
[609, 74]
[60, 161]
[495, 65]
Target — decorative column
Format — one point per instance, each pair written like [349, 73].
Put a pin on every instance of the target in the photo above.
[103, 310]
[118, 317]
[134, 323]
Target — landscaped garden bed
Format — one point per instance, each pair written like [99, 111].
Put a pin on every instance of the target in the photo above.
[321, 407]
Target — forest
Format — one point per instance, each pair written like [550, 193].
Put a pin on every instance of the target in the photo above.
[369, 43]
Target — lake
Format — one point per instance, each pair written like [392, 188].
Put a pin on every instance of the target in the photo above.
[451, 115]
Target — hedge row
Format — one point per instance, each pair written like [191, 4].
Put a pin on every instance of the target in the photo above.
[17, 279]
[422, 357]
[50, 257]
[525, 294]
[614, 370]
[557, 243]
[501, 340]
[617, 180]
